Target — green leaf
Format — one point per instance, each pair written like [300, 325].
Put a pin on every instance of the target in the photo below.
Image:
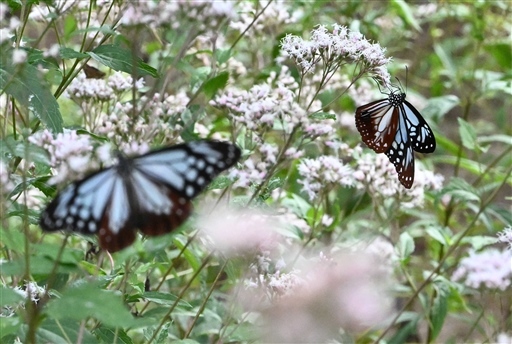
[214, 84]
[439, 308]
[109, 335]
[23, 149]
[9, 325]
[164, 299]
[221, 182]
[501, 53]
[439, 106]
[477, 242]
[12, 239]
[120, 59]
[88, 300]
[437, 233]
[405, 245]
[9, 297]
[467, 134]
[322, 115]
[71, 328]
[68, 53]
[70, 26]
[406, 330]
[222, 55]
[507, 139]
[404, 11]
[462, 190]
[25, 84]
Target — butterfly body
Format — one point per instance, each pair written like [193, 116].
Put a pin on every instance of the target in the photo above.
[394, 127]
[152, 193]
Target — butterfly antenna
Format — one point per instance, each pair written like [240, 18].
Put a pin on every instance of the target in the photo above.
[378, 84]
[400, 84]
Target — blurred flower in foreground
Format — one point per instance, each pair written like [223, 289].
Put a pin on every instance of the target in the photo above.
[237, 232]
[490, 268]
[342, 294]
[504, 338]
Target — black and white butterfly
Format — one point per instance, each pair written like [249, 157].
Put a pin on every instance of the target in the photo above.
[393, 126]
[151, 192]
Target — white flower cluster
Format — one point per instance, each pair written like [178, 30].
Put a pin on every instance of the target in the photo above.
[71, 154]
[83, 88]
[158, 122]
[156, 14]
[323, 173]
[376, 174]
[505, 236]
[272, 19]
[336, 48]
[8, 25]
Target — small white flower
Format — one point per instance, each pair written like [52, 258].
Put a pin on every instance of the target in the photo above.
[19, 56]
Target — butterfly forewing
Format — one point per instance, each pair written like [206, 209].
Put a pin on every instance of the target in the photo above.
[377, 124]
[151, 193]
[393, 126]
[421, 136]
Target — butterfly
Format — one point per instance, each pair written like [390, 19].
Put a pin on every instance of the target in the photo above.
[393, 126]
[151, 192]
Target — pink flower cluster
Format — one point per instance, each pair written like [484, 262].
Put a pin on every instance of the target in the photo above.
[490, 268]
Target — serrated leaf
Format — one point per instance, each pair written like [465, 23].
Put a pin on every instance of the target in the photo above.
[120, 59]
[211, 86]
[24, 83]
[467, 134]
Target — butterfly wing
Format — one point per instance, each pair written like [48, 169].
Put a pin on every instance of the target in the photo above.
[401, 155]
[151, 192]
[377, 123]
[166, 180]
[421, 136]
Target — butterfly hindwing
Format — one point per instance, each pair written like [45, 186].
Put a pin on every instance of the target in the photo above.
[401, 155]
[151, 192]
